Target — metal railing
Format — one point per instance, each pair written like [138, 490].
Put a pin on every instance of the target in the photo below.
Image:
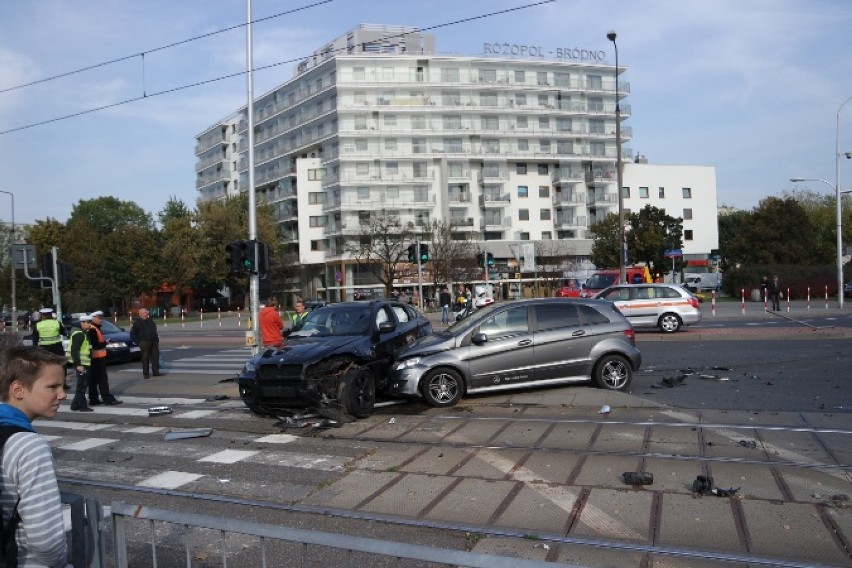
[310, 541]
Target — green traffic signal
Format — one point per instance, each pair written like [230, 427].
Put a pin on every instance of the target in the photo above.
[424, 253]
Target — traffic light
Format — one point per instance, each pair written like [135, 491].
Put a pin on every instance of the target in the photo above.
[235, 255]
[424, 253]
[248, 258]
[412, 254]
[47, 264]
[262, 258]
[489, 259]
[480, 259]
[66, 273]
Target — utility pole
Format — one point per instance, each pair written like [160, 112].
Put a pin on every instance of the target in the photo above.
[254, 277]
[419, 276]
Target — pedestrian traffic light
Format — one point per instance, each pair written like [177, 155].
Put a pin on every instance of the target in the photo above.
[489, 259]
[412, 254]
[424, 253]
[234, 259]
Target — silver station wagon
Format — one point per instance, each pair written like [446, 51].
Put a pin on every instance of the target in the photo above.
[525, 343]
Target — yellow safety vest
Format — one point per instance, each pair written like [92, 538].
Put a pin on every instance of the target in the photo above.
[85, 349]
[48, 332]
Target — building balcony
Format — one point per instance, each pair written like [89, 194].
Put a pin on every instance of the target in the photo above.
[603, 176]
[563, 175]
[461, 223]
[494, 200]
[571, 223]
[495, 223]
[493, 174]
[568, 198]
[597, 199]
[459, 198]
[209, 176]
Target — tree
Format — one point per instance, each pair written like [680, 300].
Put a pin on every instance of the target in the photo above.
[105, 215]
[781, 233]
[605, 247]
[381, 248]
[652, 232]
[734, 246]
[448, 257]
[180, 250]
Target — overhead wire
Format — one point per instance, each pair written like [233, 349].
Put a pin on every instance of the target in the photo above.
[145, 96]
[161, 48]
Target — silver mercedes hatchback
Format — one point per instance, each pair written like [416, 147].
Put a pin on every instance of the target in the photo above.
[520, 344]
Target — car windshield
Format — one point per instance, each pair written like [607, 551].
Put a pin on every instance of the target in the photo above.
[335, 321]
[599, 281]
[109, 327]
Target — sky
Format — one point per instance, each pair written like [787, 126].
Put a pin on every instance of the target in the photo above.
[752, 88]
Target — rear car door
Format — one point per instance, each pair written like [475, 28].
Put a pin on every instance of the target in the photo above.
[563, 342]
[507, 357]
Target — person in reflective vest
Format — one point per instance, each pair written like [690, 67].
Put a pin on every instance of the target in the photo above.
[99, 380]
[80, 358]
[48, 332]
[301, 313]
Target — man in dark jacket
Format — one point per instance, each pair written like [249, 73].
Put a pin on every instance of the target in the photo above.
[143, 332]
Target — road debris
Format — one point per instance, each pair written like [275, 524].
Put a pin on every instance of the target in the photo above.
[750, 444]
[159, 410]
[605, 409]
[638, 478]
[189, 433]
[543, 545]
[703, 485]
[713, 377]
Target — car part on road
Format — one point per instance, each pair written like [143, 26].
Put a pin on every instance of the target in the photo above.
[703, 485]
[190, 433]
[159, 410]
[638, 478]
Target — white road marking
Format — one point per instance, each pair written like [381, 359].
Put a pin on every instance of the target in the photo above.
[169, 480]
[195, 414]
[228, 456]
[277, 439]
[144, 430]
[88, 444]
[69, 425]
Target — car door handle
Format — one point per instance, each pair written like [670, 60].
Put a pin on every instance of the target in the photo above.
[525, 342]
[578, 333]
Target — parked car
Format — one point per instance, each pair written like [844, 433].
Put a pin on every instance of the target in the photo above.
[335, 361]
[520, 344]
[120, 348]
[666, 306]
[847, 289]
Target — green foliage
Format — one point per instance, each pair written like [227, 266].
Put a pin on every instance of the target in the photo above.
[795, 278]
[107, 214]
[649, 233]
[605, 242]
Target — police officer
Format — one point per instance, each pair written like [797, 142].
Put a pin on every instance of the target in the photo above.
[48, 332]
[99, 380]
[301, 313]
[80, 357]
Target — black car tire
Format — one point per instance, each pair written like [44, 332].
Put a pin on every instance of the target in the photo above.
[613, 372]
[669, 323]
[357, 393]
[442, 387]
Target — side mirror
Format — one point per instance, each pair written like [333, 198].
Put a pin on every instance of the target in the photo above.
[479, 338]
[386, 326]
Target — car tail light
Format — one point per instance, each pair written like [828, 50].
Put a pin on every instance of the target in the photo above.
[693, 301]
[631, 335]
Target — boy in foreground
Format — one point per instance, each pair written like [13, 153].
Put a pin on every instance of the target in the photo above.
[31, 386]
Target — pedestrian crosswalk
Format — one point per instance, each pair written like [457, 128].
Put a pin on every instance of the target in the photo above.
[224, 362]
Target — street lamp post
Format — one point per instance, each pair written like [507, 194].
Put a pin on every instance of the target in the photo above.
[12, 265]
[622, 243]
[839, 206]
[839, 222]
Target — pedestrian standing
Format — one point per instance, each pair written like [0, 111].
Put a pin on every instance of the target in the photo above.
[80, 357]
[31, 382]
[98, 378]
[143, 332]
[445, 300]
[48, 333]
[271, 325]
[775, 293]
[301, 313]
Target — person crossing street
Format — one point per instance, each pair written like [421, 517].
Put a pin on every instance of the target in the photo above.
[143, 332]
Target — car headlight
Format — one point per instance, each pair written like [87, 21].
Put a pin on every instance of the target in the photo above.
[249, 367]
[405, 363]
[116, 345]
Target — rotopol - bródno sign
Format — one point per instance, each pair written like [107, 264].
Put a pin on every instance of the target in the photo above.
[575, 53]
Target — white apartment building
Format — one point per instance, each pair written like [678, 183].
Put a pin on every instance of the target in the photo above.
[506, 148]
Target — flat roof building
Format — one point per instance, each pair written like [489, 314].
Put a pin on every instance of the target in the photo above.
[505, 148]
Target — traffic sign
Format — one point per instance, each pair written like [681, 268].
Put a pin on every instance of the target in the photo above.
[673, 253]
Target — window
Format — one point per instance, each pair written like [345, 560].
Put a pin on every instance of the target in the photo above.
[544, 146]
[595, 104]
[491, 146]
[564, 147]
[418, 122]
[361, 122]
[506, 323]
[596, 126]
[360, 97]
[449, 75]
[392, 192]
[362, 168]
[453, 145]
[451, 98]
[563, 124]
[392, 168]
[316, 174]
[625, 192]
[562, 79]
[555, 316]
[520, 77]
[358, 73]
[391, 144]
[687, 193]
[488, 99]
[687, 214]
[361, 145]
[521, 122]
[541, 77]
[488, 75]
[594, 82]
[523, 145]
[363, 194]
[390, 120]
[521, 99]
[661, 193]
[490, 123]
[687, 235]
[521, 168]
[387, 73]
[363, 217]
[544, 215]
[543, 169]
[452, 121]
[523, 214]
[455, 169]
[544, 122]
[319, 221]
[316, 197]
[544, 191]
[597, 149]
[420, 169]
[523, 191]
[418, 145]
[643, 193]
[546, 236]
[544, 101]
